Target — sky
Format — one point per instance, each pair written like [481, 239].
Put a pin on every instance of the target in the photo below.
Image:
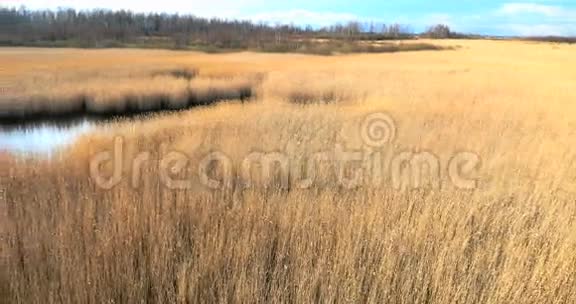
[489, 17]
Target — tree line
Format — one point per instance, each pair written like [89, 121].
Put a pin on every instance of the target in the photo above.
[105, 28]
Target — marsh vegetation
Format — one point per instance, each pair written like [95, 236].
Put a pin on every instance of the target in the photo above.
[511, 239]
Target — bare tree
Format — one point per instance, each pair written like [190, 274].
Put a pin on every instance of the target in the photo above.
[439, 31]
[97, 28]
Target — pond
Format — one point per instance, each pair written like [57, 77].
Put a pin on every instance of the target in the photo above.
[42, 139]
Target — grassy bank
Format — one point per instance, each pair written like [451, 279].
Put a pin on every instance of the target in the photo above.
[326, 47]
[122, 94]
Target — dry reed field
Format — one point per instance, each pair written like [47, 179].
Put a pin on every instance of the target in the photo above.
[511, 238]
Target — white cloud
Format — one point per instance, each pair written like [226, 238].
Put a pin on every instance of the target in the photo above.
[532, 8]
[540, 29]
[303, 17]
[551, 19]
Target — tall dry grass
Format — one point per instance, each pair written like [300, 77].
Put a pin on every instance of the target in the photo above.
[75, 244]
[117, 94]
[511, 240]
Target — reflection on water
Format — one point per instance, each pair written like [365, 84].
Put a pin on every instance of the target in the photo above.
[41, 139]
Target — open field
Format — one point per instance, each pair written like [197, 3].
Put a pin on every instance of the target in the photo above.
[509, 237]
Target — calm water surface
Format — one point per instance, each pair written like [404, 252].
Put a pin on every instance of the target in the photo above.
[43, 139]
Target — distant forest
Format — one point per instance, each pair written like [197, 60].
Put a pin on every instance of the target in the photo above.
[104, 28]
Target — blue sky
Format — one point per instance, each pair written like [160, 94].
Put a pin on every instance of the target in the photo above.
[494, 17]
